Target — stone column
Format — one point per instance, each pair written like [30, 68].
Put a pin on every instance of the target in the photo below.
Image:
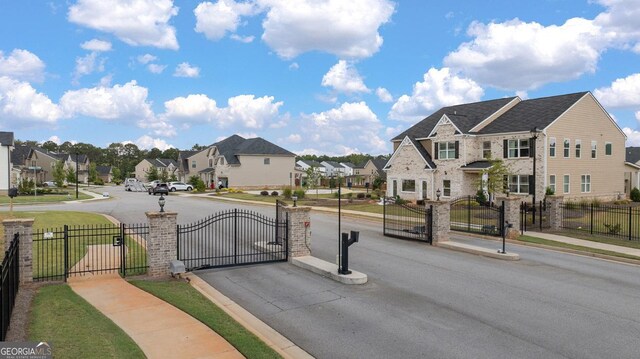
[24, 227]
[441, 220]
[299, 231]
[555, 212]
[511, 215]
[162, 243]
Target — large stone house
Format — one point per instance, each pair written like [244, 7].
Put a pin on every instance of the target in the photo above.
[194, 163]
[632, 172]
[6, 168]
[161, 165]
[250, 163]
[579, 149]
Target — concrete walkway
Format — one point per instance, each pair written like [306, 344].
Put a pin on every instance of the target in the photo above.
[160, 329]
[585, 243]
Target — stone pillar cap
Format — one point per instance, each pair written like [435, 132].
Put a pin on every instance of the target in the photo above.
[160, 214]
[18, 220]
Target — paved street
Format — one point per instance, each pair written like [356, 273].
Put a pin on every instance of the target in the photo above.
[423, 301]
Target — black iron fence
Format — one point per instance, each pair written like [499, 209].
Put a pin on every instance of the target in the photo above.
[59, 253]
[469, 215]
[613, 221]
[407, 220]
[534, 218]
[233, 237]
[10, 283]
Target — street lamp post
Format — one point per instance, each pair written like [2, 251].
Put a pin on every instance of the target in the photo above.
[534, 136]
[35, 179]
[76, 175]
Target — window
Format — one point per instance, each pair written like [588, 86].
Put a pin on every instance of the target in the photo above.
[565, 184]
[210, 162]
[446, 186]
[566, 148]
[408, 185]
[552, 147]
[578, 148]
[552, 183]
[594, 149]
[486, 149]
[193, 164]
[519, 184]
[585, 183]
[608, 148]
[267, 161]
[518, 148]
[446, 150]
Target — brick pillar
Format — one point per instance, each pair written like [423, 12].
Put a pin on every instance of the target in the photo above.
[441, 220]
[555, 212]
[162, 243]
[24, 227]
[511, 215]
[299, 232]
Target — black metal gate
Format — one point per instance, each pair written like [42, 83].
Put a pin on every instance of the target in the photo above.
[469, 215]
[534, 217]
[234, 237]
[89, 249]
[407, 221]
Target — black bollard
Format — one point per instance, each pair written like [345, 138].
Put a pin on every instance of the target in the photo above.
[346, 242]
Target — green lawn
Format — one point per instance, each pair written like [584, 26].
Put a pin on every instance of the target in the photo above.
[530, 239]
[75, 328]
[189, 300]
[47, 198]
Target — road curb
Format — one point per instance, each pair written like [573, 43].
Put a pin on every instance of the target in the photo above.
[484, 252]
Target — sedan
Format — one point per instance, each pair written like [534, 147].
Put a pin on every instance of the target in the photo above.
[49, 184]
[179, 186]
[161, 188]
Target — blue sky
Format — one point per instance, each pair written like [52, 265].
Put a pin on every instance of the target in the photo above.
[314, 76]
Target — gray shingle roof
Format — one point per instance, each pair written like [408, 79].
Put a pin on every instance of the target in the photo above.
[423, 152]
[526, 115]
[379, 162]
[186, 154]
[103, 170]
[464, 116]
[477, 165]
[334, 164]
[633, 154]
[164, 162]
[349, 164]
[19, 155]
[312, 163]
[234, 146]
[6, 138]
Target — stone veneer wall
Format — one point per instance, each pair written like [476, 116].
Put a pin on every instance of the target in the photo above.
[441, 220]
[24, 227]
[162, 242]
[299, 232]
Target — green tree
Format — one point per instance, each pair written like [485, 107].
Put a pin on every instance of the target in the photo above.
[93, 172]
[164, 175]
[171, 153]
[59, 174]
[314, 176]
[50, 146]
[117, 175]
[635, 194]
[152, 174]
[496, 174]
[71, 175]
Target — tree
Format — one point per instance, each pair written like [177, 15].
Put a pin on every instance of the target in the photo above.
[164, 175]
[59, 174]
[117, 175]
[71, 175]
[635, 194]
[198, 147]
[495, 178]
[171, 153]
[93, 172]
[152, 174]
[50, 146]
[314, 176]
[154, 153]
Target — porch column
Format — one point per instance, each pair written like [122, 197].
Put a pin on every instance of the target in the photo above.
[299, 231]
[555, 211]
[511, 215]
[441, 224]
[162, 243]
[24, 227]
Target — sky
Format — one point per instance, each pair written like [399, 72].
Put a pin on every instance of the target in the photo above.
[313, 76]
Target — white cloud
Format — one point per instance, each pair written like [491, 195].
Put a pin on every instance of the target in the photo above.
[623, 92]
[384, 95]
[55, 139]
[147, 142]
[96, 45]
[88, 64]
[439, 88]
[347, 29]
[358, 130]
[136, 22]
[146, 58]
[243, 39]
[293, 138]
[620, 22]
[22, 106]
[22, 65]
[156, 68]
[186, 70]
[215, 20]
[294, 66]
[344, 77]
[191, 109]
[120, 102]
[638, 115]
[633, 136]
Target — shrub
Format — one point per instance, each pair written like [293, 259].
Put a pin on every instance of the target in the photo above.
[360, 195]
[549, 192]
[200, 187]
[274, 193]
[299, 193]
[286, 192]
[613, 228]
[264, 193]
[481, 198]
[335, 194]
[584, 203]
[596, 202]
[635, 194]
[368, 195]
[117, 182]
[99, 181]
[400, 200]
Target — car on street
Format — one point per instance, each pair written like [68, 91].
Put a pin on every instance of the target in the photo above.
[153, 183]
[179, 186]
[160, 188]
[49, 184]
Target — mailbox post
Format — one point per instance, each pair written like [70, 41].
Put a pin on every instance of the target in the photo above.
[13, 192]
[346, 242]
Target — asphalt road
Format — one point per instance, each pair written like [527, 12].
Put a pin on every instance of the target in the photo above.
[423, 301]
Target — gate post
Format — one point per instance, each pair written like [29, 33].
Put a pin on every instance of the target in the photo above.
[511, 215]
[162, 244]
[554, 205]
[441, 220]
[24, 227]
[299, 231]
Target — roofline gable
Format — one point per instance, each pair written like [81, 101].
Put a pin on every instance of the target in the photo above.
[406, 141]
[444, 120]
[482, 124]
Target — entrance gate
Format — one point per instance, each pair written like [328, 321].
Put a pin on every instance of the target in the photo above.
[407, 221]
[469, 215]
[234, 237]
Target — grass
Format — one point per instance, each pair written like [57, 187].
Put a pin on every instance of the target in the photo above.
[546, 242]
[47, 198]
[75, 328]
[189, 300]
[618, 241]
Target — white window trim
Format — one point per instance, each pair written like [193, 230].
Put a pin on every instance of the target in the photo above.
[605, 148]
[568, 184]
[518, 148]
[555, 180]
[552, 141]
[518, 184]
[487, 149]
[446, 150]
[584, 176]
[566, 140]
[578, 142]
[450, 183]
[407, 179]
[596, 150]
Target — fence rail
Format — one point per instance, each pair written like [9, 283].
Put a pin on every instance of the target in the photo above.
[468, 215]
[407, 221]
[613, 221]
[9, 285]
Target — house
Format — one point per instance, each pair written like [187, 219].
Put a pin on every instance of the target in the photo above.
[194, 163]
[348, 168]
[19, 157]
[303, 165]
[105, 173]
[371, 170]
[162, 165]
[40, 163]
[577, 148]
[334, 169]
[6, 167]
[77, 162]
[632, 171]
[250, 163]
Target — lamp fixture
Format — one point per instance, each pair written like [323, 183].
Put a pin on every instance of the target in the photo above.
[161, 202]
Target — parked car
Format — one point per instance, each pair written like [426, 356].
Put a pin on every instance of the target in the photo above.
[161, 188]
[179, 186]
[153, 183]
[49, 184]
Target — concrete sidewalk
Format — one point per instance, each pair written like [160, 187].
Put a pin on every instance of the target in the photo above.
[160, 329]
[584, 243]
